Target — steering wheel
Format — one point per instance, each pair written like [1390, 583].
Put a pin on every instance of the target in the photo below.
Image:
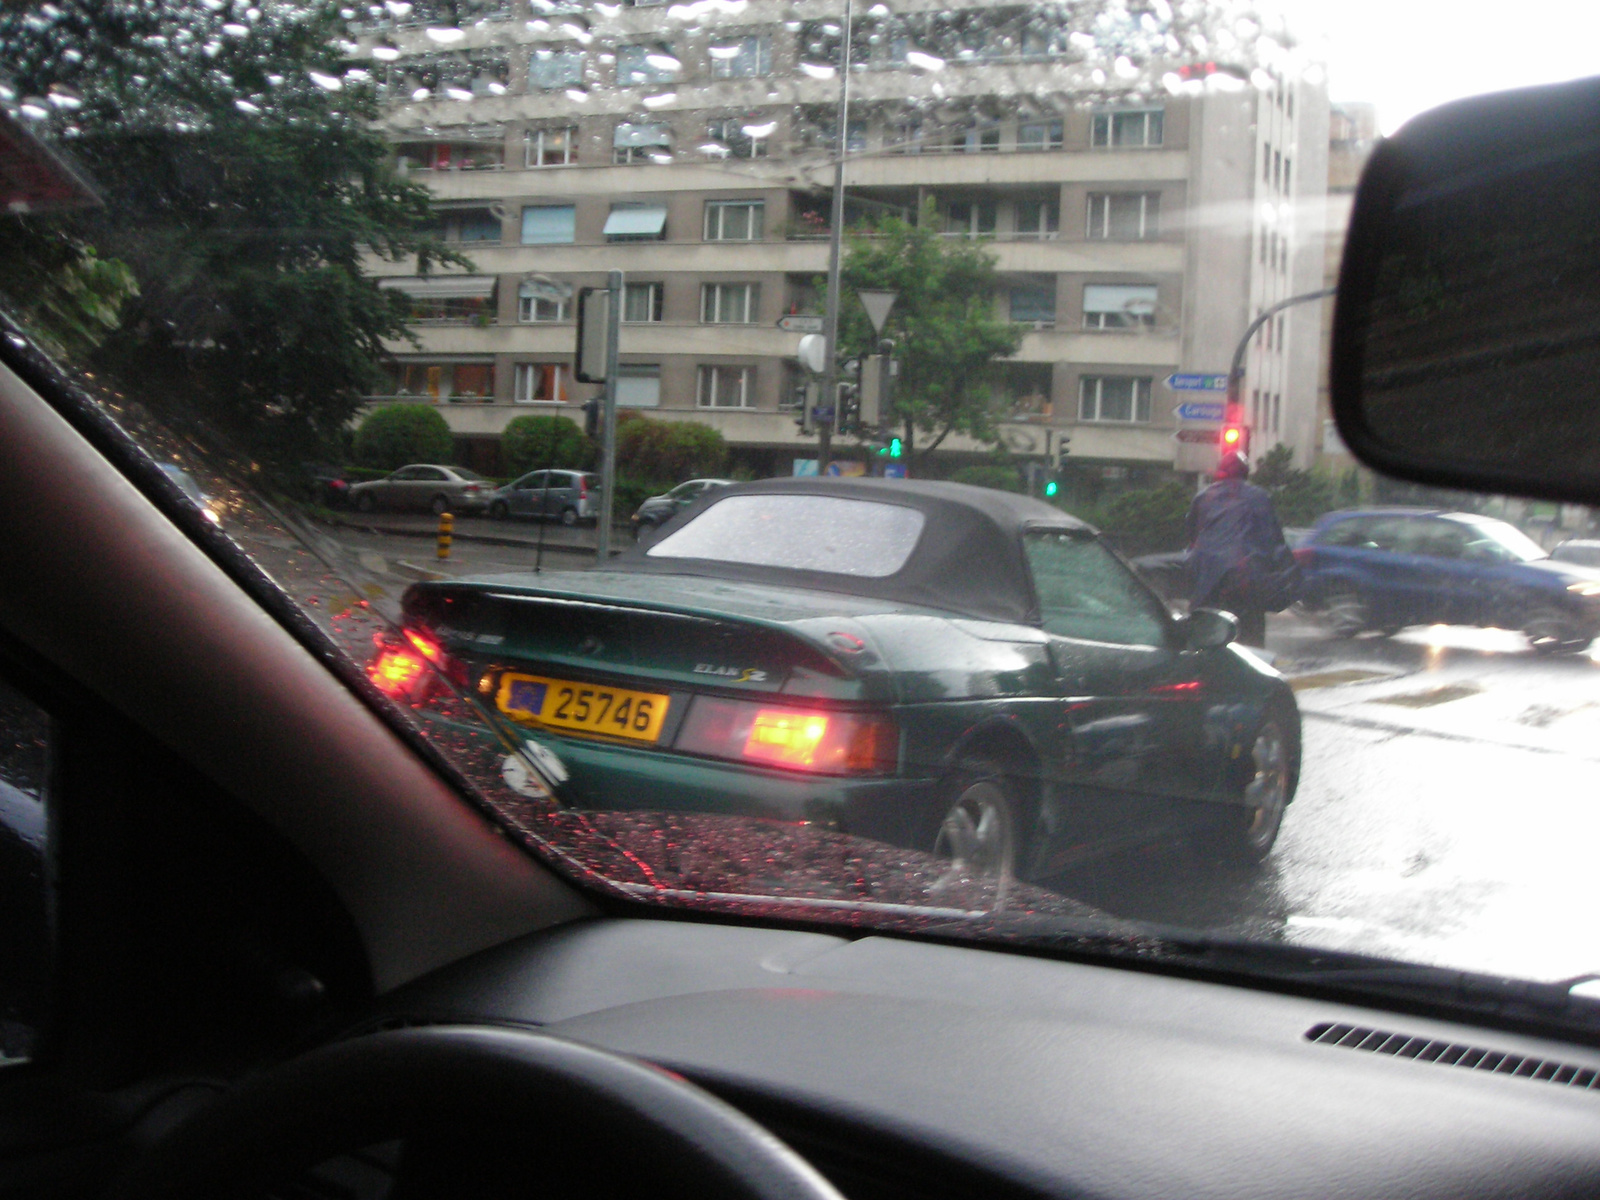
[480, 1111]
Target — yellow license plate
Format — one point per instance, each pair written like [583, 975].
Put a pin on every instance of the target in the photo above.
[584, 707]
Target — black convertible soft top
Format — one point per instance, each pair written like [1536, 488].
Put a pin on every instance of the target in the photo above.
[968, 559]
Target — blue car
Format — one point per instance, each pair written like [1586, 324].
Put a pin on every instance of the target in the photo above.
[1385, 569]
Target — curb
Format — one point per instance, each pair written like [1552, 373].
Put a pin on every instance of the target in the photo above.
[488, 539]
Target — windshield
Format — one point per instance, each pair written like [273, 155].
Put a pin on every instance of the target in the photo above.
[1508, 539]
[949, 296]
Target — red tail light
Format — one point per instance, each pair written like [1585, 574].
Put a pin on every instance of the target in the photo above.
[1302, 555]
[826, 741]
[403, 667]
[583, 487]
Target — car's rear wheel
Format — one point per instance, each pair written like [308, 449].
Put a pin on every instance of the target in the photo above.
[499, 510]
[439, 504]
[365, 502]
[569, 516]
[977, 835]
[1345, 613]
[1551, 631]
[1266, 784]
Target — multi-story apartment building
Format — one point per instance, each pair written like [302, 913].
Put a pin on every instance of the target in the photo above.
[1352, 133]
[694, 146]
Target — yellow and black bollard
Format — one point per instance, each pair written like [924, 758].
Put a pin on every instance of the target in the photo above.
[447, 528]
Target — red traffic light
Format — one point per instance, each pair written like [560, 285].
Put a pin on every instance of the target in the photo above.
[1232, 437]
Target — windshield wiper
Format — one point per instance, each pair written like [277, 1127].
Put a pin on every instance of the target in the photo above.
[1349, 976]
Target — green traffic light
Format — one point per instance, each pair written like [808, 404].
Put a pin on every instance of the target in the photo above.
[1051, 488]
[894, 447]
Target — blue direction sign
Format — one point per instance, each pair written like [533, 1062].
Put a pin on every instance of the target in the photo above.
[1198, 383]
[1198, 411]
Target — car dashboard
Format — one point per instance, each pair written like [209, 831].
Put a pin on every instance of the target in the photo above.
[903, 1068]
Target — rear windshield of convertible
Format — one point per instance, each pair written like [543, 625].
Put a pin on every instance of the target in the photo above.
[801, 533]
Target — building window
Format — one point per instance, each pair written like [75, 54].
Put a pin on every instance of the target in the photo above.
[734, 220]
[539, 304]
[453, 382]
[727, 387]
[1119, 306]
[549, 225]
[904, 137]
[551, 147]
[731, 137]
[450, 156]
[742, 58]
[1119, 398]
[646, 63]
[970, 218]
[1277, 167]
[1035, 303]
[729, 303]
[638, 143]
[446, 299]
[540, 383]
[1038, 219]
[1039, 135]
[1287, 167]
[629, 222]
[1139, 127]
[1124, 216]
[639, 385]
[552, 69]
[641, 303]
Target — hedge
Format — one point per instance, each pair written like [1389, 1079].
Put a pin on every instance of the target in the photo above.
[530, 442]
[398, 434]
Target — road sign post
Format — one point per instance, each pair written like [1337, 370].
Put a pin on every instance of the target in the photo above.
[608, 430]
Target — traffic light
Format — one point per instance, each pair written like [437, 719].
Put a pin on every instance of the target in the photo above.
[1063, 448]
[591, 418]
[1236, 437]
[893, 449]
[1051, 487]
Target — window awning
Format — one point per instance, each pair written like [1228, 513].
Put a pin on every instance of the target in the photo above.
[641, 220]
[628, 134]
[1117, 298]
[443, 287]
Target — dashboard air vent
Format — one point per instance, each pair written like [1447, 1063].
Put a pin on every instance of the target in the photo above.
[1454, 1054]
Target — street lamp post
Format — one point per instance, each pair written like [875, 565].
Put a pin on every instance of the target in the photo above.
[830, 328]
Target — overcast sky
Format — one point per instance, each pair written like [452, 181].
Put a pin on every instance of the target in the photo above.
[1409, 55]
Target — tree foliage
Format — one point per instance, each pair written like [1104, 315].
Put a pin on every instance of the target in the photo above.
[947, 337]
[668, 452]
[1005, 479]
[532, 442]
[397, 434]
[244, 182]
[1148, 520]
[1299, 497]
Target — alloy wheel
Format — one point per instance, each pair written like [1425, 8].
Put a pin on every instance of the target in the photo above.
[1266, 793]
[978, 837]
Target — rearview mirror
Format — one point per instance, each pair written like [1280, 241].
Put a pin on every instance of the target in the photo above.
[1466, 343]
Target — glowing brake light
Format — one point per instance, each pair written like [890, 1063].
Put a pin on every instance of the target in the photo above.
[396, 670]
[787, 738]
[827, 741]
[401, 665]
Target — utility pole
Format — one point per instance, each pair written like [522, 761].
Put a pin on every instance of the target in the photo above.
[830, 329]
[608, 418]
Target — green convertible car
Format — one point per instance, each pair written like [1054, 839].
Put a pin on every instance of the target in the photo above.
[936, 666]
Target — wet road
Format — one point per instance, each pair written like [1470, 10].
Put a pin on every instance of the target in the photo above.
[1449, 806]
[1448, 812]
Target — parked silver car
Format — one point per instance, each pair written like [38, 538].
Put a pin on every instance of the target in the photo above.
[572, 496]
[424, 486]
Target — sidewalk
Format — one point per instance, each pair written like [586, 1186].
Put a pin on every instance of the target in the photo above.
[558, 538]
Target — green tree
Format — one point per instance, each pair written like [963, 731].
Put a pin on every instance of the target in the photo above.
[668, 452]
[1299, 497]
[530, 442]
[244, 184]
[947, 338]
[1004, 479]
[1148, 520]
[398, 434]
